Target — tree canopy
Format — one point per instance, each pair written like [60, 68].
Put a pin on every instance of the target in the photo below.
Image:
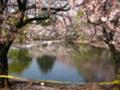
[14, 14]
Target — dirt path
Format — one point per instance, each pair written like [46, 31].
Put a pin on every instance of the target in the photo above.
[24, 85]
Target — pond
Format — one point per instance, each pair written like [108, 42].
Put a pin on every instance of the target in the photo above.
[73, 63]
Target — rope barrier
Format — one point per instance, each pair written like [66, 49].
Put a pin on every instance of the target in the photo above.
[37, 81]
[13, 77]
[8, 76]
[113, 82]
[52, 81]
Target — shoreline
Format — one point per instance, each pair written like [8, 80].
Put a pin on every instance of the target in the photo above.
[99, 44]
[30, 85]
[49, 42]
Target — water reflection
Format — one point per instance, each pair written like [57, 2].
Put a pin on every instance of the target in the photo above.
[20, 60]
[65, 62]
[46, 63]
[116, 60]
[95, 64]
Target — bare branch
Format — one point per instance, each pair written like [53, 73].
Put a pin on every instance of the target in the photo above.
[27, 21]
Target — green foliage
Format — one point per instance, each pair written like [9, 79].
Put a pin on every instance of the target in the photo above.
[12, 21]
[4, 32]
[21, 57]
[21, 36]
[21, 54]
[88, 53]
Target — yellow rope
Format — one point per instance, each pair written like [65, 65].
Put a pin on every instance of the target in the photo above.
[52, 81]
[11, 77]
[7, 76]
[37, 81]
[113, 82]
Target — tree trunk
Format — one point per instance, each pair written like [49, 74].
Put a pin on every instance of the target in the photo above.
[3, 70]
[4, 62]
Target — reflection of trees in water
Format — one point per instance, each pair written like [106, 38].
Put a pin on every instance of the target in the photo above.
[93, 63]
[71, 45]
[79, 54]
[20, 60]
[99, 58]
[46, 63]
[116, 57]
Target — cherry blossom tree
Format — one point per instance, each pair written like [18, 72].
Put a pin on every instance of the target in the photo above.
[15, 14]
[104, 16]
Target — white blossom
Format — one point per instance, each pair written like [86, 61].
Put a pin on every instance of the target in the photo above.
[103, 19]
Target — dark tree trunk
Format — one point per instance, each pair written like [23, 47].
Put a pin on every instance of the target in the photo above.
[4, 62]
[3, 70]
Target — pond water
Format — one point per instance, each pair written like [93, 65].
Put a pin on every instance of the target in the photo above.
[62, 62]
